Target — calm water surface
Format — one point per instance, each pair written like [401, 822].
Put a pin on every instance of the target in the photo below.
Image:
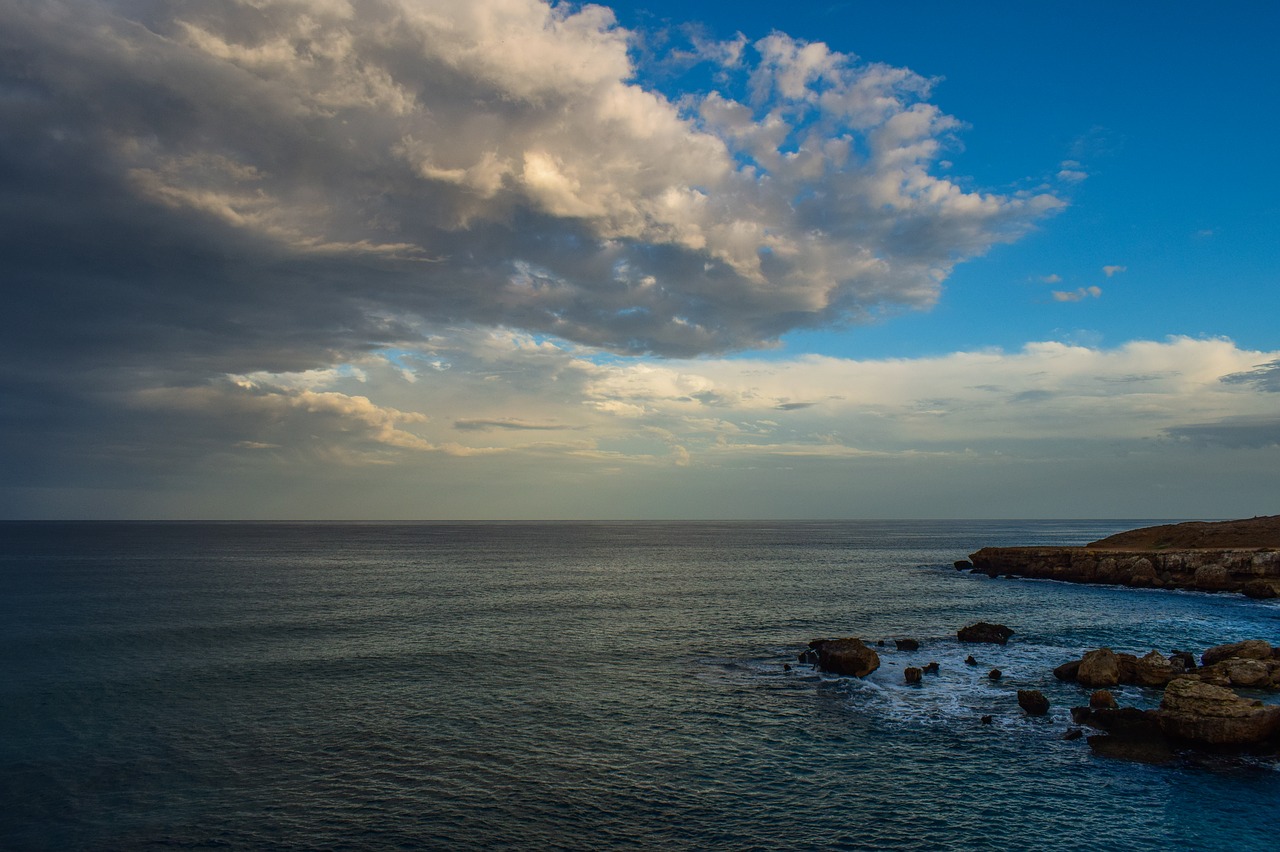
[575, 686]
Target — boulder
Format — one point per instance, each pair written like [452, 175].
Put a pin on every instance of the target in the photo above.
[931, 668]
[983, 631]
[1249, 674]
[912, 674]
[907, 644]
[1154, 669]
[1250, 649]
[1211, 715]
[845, 656]
[1184, 659]
[1101, 699]
[962, 565]
[995, 674]
[970, 661]
[1067, 671]
[1099, 668]
[1033, 701]
[1073, 734]
[987, 720]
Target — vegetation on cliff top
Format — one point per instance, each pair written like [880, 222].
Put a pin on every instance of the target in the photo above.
[1248, 533]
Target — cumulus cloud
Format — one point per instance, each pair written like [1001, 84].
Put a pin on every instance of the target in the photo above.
[1077, 295]
[1112, 270]
[344, 171]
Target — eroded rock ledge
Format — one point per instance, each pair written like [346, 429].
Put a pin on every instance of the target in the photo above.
[1225, 556]
[1255, 573]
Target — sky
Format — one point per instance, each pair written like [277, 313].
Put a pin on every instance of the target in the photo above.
[506, 259]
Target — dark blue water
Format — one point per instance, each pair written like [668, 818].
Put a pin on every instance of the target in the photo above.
[574, 686]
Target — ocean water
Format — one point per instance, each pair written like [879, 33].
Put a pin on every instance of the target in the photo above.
[576, 686]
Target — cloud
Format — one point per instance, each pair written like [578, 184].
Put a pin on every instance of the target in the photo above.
[1231, 432]
[1053, 278]
[232, 187]
[512, 423]
[583, 415]
[1112, 270]
[1264, 377]
[1077, 295]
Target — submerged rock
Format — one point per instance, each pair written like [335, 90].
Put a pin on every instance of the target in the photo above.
[995, 674]
[912, 674]
[845, 656]
[970, 661]
[983, 631]
[907, 644]
[931, 668]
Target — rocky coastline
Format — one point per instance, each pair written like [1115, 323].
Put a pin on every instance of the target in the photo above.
[1200, 709]
[1228, 556]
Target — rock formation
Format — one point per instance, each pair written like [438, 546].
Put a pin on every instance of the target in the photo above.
[1252, 664]
[1212, 715]
[1231, 556]
[983, 631]
[1033, 701]
[844, 656]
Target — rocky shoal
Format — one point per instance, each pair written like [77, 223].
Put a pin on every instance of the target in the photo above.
[1199, 709]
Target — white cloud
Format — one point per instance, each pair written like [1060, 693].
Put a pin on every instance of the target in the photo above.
[1109, 271]
[1078, 294]
[563, 403]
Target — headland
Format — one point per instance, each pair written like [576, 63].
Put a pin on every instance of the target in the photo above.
[1224, 556]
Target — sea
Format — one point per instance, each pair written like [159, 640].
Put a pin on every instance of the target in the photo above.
[580, 686]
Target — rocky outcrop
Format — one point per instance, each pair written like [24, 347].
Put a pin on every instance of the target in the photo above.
[1252, 664]
[912, 674]
[843, 656]
[1256, 572]
[1212, 715]
[1250, 649]
[1033, 702]
[984, 631]
[1102, 699]
[1099, 668]
[907, 644]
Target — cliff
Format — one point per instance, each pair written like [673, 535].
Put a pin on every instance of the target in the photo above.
[1228, 556]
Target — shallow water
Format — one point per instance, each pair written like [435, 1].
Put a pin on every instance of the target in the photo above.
[575, 686]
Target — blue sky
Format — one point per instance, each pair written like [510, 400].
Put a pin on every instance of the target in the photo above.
[1164, 107]
[417, 259]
